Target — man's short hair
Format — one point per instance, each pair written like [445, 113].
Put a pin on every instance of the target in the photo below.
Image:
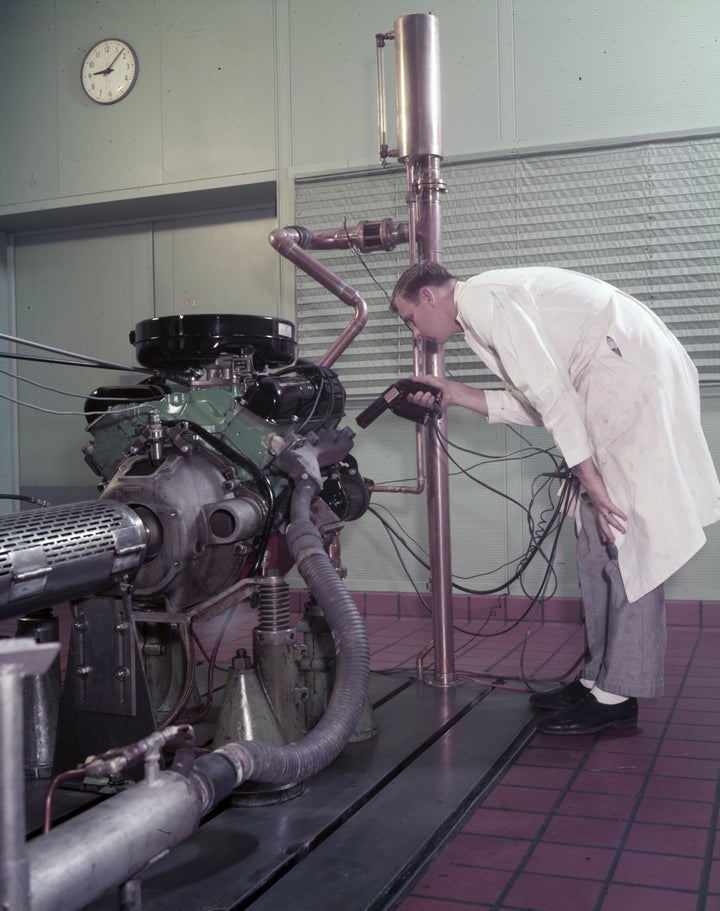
[416, 277]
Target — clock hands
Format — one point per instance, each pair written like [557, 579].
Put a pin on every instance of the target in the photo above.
[109, 69]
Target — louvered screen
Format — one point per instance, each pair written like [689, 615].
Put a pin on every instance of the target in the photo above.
[645, 217]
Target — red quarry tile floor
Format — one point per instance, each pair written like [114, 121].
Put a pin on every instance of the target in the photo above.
[609, 822]
[606, 822]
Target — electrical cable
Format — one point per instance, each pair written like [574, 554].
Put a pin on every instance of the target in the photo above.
[315, 404]
[57, 362]
[190, 671]
[83, 360]
[383, 521]
[410, 579]
[54, 411]
[211, 662]
[535, 530]
[529, 449]
[466, 472]
[424, 561]
[358, 255]
[32, 407]
[554, 525]
[44, 386]
[558, 520]
[533, 549]
[535, 603]
[539, 534]
[24, 499]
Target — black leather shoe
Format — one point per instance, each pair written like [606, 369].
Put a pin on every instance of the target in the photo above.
[590, 716]
[562, 697]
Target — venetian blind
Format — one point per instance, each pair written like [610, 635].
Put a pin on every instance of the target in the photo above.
[645, 217]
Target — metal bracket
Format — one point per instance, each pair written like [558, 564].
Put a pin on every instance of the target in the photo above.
[30, 570]
[104, 677]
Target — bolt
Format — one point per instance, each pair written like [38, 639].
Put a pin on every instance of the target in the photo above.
[241, 661]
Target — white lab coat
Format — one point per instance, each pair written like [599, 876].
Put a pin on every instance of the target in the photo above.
[609, 381]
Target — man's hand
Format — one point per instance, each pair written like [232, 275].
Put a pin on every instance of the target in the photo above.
[610, 516]
[427, 399]
[453, 393]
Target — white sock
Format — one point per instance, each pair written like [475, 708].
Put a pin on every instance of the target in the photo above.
[588, 683]
[607, 698]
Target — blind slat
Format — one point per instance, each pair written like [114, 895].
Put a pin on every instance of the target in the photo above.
[646, 218]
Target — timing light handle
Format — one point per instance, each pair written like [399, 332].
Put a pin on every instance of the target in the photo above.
[395, 398]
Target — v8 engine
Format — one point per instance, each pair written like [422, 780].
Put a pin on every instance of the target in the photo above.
[218, 473]
[190, 450]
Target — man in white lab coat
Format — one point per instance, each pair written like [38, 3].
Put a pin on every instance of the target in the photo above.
[619, 394]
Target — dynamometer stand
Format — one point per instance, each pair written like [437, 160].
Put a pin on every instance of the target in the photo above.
[18, 658]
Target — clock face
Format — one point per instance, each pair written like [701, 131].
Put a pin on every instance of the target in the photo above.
[109, 71]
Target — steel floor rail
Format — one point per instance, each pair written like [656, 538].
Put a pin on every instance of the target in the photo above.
[363, 826]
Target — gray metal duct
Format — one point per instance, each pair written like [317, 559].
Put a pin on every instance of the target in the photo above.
[52, 554]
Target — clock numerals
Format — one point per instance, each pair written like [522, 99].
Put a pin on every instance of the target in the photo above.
[109, 71]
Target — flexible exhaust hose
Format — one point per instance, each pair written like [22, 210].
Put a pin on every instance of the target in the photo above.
[114, 838]
[304, 758]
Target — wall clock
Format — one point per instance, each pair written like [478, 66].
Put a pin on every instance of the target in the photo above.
[109, 71]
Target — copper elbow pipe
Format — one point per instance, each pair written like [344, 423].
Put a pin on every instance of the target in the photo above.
[289, 243]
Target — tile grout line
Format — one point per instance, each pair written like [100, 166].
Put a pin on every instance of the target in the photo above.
[498, 904]
[518, 645]
[708, 856]
[549, 816]
[646, 778]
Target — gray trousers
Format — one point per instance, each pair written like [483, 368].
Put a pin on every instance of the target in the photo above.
[625, 641]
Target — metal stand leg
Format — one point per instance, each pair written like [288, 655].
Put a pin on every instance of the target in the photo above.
[130, 896]
[18, 659]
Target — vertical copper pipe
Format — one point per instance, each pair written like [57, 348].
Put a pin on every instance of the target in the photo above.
[412, 214]
[439, 539]
[420, 147]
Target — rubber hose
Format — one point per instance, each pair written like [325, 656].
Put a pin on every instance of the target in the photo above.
[304, 758]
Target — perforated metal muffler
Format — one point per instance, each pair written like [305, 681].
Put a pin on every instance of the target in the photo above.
[65, 552]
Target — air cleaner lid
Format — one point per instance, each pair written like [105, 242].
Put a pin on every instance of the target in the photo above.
[194, 340]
